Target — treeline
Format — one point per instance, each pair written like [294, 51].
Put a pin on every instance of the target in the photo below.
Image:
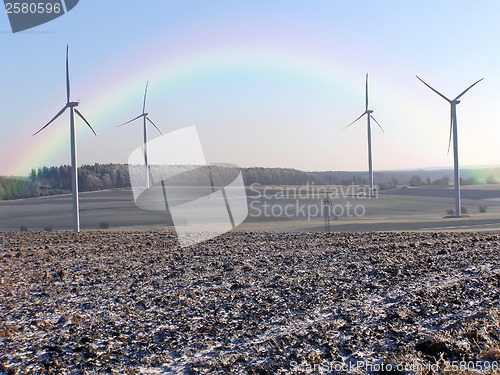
[16, 188]
[280, 176]
[90, 177]
[416, 180]
[57, 180]
[436, 177]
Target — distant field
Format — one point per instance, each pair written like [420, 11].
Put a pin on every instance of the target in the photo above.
[474, 192]
[113, 207]
[275, 209]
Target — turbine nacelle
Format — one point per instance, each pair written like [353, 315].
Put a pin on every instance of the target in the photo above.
[369, 111]
[69, 103]
[144, 114]
[454, 101]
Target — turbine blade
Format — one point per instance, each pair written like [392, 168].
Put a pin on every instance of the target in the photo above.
[437, 92]
[128, 122]
[53, 119]
[380, 126]
[459, 96]
[451, 129]
[84, 119]
[147, 118]
[68, 90]
[145, 94]
[366, 92]
[364, 113]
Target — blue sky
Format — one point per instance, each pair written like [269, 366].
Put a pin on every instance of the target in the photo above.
[267, 83]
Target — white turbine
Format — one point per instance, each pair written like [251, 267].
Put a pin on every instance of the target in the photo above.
[74, 166]
[368, 113]
[145, 118]
[454, 131]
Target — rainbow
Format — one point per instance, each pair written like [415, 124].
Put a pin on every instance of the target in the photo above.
[172, 71]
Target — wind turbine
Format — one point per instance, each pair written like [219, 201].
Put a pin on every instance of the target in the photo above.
[368, 113]
[145, 118]
[454, 131]
[74, 166]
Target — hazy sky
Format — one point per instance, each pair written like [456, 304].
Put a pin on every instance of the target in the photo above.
[267, 83]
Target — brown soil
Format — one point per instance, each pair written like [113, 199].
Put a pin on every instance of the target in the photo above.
[265, 303]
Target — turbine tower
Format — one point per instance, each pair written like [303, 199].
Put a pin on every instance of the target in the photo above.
[368, 113]
[145, 118]
[74, 166]
[454, 131]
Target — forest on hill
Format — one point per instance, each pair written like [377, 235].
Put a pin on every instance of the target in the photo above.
[57, 180]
